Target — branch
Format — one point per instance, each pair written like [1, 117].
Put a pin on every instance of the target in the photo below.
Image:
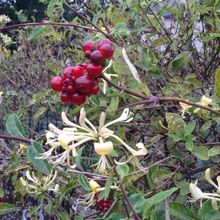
[156, 99]
[8, 137]
[15, 26]
[123, 89]
[136, 217]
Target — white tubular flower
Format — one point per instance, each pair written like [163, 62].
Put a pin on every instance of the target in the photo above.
[1, 97]
[184, 107]
[205, 101]
[4, 19]
[38, 185]
[208, 178]
[103, 149]
[197, 193]
[108, 76]
[74, 135]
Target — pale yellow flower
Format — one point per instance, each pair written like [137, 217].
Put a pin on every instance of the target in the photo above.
[1, 97]
[38, 185]
[22, 148]
[4, 19]
[197, 193]
[205, 101]
[73, 136]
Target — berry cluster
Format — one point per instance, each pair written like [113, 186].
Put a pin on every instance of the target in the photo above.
[82, 80]
[102, 204]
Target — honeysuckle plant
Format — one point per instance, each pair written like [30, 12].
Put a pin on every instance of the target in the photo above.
[73, 136]
[198, 194]
[39, 184]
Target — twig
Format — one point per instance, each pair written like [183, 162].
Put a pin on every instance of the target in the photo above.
[136, 217]
[156, 99]
[123, 89]
[15, 26]
[8, 137]
[110, 209]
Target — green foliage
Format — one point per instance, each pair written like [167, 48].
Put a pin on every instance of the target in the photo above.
[33, 151]
[172, 58]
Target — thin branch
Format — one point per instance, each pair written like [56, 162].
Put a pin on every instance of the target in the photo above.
[136, 217]
[8, 137]
[156, 99]
[16, 26]
[123, 89]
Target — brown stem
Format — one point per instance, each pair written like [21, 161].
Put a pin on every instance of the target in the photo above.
[156, 99]
[136, 217]
[8, 137]
[15, 26]
[131, 92]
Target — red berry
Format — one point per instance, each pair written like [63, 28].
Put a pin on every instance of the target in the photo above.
[57, 83]
[71, 89]
[88, 45]
[83, 65]
[106, 50]
[96, 57]
[68, 72]
[78, 98]
[105, 205]
[65, 98]
[78, 71]
[67, 81]
[84, 84]
[88, 53]
[106, 199]
[94, 70]
[98, 202]
[104, 41]
[101, 208]
[94, 90]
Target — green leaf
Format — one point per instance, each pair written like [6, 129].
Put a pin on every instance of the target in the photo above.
[122, 170]
[14, 127]
[39, 112]
[115, 216]
[213, 151]
[157, 198]
[207, 212]
[180, 212]
[189, 128]
[63, 215]
[7, 208]
[137, 200]
[84, 182]
[106, 192]
[34, 151]
[181, 61]
[217, 83]
[201, 152]
[189, 145]
[113, 105]
[175, 123]
[2, 193]
[37, 32]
